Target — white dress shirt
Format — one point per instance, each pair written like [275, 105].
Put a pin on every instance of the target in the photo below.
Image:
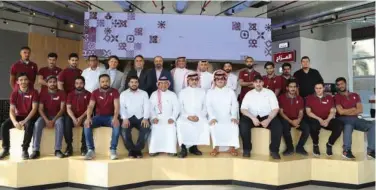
[232, 81]
[134, 103]
[260, 103]
[206, 79]
[158, 73]
[92, 78]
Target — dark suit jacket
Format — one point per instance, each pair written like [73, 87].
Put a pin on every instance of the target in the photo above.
[142, 79]
[152, 80]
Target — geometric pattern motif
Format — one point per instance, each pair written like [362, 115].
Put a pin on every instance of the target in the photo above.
[236, 26]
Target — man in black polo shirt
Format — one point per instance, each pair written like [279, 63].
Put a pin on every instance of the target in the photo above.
[307, 78]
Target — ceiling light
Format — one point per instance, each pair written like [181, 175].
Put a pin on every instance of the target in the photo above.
[311, 30]
[32, 13]
[52, 31]
[5, 22]
[130, 9]
[365, 19]
[232, 11]
[71, 25]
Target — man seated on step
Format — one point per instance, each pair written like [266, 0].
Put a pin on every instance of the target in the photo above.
[77, 102]
[321, 112]
[134, 111]
[107, 107]
[192, 125]
[22, 115]
[291, 112]
[164, 106]
[349, 106]
[259, 109]
[51, 110]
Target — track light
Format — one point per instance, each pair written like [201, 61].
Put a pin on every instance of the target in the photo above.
[5, 22]
[284, 27]
[71, 25]
[365, 19]
[203, 10]
[32, 13]
[130, 9]
[162, 8]
[311, 30]
[232, 11]
[52, 31]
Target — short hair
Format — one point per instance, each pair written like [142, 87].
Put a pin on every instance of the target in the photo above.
[341, 79]
[268, 64]
[140, 56]
[51, 77]
[305, 57]
[21, 75]
[80, 78]
[73, 55]
[258, 77]
[230, 63]
[291, 80]
[52, 55]
[286, 65]
[113, 57]
[25, 48]
[320, 82]
[249, 57]
[132, 77]
[103, 75]
[92, 56]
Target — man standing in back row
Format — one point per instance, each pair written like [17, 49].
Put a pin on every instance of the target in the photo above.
[307, 78]
[139, 71]
[246, 77]
[50, 70]
[179, 73]
[24, 65]
[271, 80]
[91, 73]
[67, 77]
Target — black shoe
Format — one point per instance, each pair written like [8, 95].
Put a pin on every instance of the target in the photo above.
[183, 153]
[172, 154]
[35, 155]
[275, 155]
[329, 151]
[371, 154]
[301, 151]
[139, 154]
[25, 155]
[83, 151]
[68, 151]
[4, 154]
[246, 153]
[316, 150]
[59, 154]
[131, 154]
[348, 154]
[153, 154]
[288, 152]
[194, 150]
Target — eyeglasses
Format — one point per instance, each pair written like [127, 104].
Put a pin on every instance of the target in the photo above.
[196, 79]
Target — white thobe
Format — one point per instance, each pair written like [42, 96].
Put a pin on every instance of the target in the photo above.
[192, 103]
[232, 81]
[163, 135]
[206, 79]
[179, 75]
[222, 106]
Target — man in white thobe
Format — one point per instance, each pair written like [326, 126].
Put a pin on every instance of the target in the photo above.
[179, 73]
[223, 109]
[206, 78]
[232, 79]
[192, 125]
[164, 112]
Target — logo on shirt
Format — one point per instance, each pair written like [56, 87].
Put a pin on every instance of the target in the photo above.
[110, 94]
[245, 74]
[85, 97]
[56, 98]
[101, 97]
[274, 81]
[56, 72]
[297, 101]
[354, 97]
[28, 96]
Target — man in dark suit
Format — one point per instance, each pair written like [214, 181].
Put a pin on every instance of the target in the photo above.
[138, 71]
[157, 72]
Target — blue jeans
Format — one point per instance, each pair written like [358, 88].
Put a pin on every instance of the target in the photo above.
[351, 123]
[99, 121]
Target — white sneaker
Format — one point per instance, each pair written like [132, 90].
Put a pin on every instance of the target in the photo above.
[90, 155]
[113, 155]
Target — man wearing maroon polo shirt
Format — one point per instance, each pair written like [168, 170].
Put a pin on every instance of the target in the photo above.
[77, 103]
[51, 69]
[51, 110]
[67, 77]
[321, 111]
[286, 75]
[107, 107]
[23, 107]
[272, 81]
[246, 78]
[349, 106]
[291, 107]
[23, 66]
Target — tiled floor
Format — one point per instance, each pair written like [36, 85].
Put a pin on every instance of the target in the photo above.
[222, 187]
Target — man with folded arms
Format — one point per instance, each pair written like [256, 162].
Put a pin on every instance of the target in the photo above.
[51, 110]
[135, 111]
[22, 112]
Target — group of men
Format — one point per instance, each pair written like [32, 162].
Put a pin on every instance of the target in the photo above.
[185, 107]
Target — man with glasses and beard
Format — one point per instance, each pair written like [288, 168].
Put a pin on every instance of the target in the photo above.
[107, 107]
[232, 80]
[77, 102]
[349, 106]
[135, 111]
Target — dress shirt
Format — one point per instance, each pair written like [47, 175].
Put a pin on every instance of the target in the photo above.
[134, 103]
[260, 103]
[232, 81]
[91, 78]
[158, 73]
[112, 74]
[138, 72]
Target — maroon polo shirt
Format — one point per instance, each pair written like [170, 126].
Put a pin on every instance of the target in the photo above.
[78, 101]
[348, 101]
[46, 71]
[68, 76]
[284, 84]
[31, 70]
[291, 106]
[104, 101]
[272, 83]
[320, 106]
[23, 101]
[52, 102]
[247, 77]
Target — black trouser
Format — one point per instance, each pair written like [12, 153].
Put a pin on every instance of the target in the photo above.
[373, 113]
[275, 128]
[334, 125]
[7, 125]
[126, 134]
[68, 132]
[304, 128]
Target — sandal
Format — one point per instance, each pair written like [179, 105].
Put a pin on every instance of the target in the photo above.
[233, 151]
[215, 152]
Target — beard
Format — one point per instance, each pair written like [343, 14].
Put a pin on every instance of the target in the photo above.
[134, 88]
[228, 71]
[80, 89]
[343, 90]
[105, 87]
